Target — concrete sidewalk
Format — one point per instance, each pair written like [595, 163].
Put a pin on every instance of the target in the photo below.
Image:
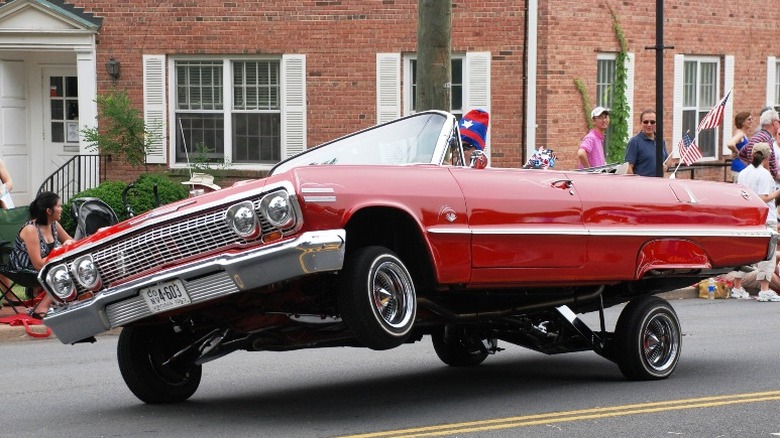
[10, 333]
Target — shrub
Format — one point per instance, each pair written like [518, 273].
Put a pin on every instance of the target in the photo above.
[140, 197]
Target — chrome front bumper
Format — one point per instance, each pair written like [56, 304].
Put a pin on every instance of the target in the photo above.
[205, 279]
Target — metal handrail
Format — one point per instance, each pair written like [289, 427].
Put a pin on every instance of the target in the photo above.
[80, 173]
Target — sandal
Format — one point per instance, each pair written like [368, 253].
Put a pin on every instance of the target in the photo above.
[37, 315]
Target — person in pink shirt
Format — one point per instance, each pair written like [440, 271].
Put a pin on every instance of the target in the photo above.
[591, 151]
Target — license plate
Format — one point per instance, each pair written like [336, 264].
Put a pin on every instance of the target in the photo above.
[164, 296]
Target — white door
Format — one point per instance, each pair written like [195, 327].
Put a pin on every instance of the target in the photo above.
[60, 118]
[14, 140]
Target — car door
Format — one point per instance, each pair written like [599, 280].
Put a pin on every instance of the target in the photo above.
[526, 225]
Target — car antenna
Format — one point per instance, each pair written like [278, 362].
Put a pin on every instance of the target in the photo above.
[186, 154]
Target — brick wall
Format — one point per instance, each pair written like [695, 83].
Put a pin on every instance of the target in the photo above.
[573, 32]
[341, 39]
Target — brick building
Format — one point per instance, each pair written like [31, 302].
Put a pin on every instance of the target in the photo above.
[255, 81]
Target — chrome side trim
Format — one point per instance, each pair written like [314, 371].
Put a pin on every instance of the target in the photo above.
[606, 231]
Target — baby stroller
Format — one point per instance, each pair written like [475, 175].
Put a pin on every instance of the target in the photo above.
[91, 214]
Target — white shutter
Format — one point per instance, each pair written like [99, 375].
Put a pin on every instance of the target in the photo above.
[630, 91]
[677, 102]
[476, 87]
[293, 105]
[388, 87]
[771, 77]
[728, 112]
[154, 106]
[477, 81]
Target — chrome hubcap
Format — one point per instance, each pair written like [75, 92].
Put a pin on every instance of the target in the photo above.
[393, 294]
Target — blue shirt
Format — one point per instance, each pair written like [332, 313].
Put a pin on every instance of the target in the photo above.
[640, 152]
[736, 164]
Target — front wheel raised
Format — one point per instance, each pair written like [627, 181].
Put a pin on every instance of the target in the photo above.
[648, 339]
[377, 298]
[143, 351]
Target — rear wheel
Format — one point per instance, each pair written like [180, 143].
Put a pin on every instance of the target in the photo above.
[648, 339]
[142, 352]
[456, 347]
[377, 298]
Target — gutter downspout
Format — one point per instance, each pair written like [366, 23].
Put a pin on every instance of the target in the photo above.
[529, 99]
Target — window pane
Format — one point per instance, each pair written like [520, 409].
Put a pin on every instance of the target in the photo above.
[71, 86]
[72, 109]
[456, 90]
[199, 85]
[57, 132]
[55, 86]
[57, 110]
[203, 136]
[689, 121]
[256, 138]
[456, 86]
[689, 84]
[256, 85]
[707, 86]
[777, 84]
[605, 77]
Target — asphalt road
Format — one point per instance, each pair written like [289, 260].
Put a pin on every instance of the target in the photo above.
[725, 385]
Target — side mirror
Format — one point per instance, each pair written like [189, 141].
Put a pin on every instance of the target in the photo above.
[478, 160]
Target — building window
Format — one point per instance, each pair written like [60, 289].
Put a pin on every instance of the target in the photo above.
[237, 120]
[776, 80]
[456, 87]
[700, 94]
[605, 77]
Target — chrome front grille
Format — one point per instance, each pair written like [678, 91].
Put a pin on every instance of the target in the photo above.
[167, 243]
[163, 245]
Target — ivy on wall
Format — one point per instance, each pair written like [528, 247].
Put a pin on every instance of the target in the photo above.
[619, 111]
[618, 133]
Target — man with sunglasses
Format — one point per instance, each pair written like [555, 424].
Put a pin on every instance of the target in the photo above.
[640, 151]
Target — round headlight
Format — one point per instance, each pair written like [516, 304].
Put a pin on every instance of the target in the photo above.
[277, 209]
[59, 281]
[242, 218]
[85, 272]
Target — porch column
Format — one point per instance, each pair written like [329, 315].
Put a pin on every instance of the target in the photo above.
[87, 78]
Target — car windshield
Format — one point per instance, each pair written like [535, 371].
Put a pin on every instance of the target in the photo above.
[415, 139]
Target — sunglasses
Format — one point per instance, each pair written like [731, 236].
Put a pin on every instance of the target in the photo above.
[648, 122]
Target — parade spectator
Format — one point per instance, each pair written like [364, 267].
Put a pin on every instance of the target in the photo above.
[640, 151]
[591, 151]
[473, 132]
[743, 121]
[770, 122]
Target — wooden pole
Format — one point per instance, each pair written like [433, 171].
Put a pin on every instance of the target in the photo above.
[434, 67]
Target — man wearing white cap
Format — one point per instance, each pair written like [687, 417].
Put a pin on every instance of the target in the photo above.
[591, 151]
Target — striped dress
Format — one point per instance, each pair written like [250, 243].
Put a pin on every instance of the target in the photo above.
[20, 259]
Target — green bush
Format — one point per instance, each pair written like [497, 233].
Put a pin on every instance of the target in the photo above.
[140, 196]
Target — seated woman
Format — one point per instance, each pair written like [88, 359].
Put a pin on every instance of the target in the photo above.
[41, 234]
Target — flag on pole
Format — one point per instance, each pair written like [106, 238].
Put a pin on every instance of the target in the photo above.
[715, 116]
[689, 152]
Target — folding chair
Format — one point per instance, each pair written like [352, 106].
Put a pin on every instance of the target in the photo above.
[11, 221]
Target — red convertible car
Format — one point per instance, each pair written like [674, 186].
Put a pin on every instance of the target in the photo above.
[387, 235]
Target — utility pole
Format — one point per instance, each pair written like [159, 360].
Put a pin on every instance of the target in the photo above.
[434, 42]
[659, 86]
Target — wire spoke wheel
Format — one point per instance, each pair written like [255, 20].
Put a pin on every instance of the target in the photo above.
[648, 339]
[377, 298]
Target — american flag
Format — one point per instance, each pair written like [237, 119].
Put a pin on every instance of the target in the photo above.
[689, 152]
[715, 116]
